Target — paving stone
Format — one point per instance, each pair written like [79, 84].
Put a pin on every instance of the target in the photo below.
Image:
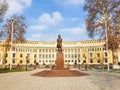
[24, 81]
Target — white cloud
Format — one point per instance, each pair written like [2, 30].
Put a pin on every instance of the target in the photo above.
[18, 6]
[35, 37]
[76, 30]
[70, 2]
[41, 37]
[27, 3]
[38, 27]
[75, 19]
[45, 20]
[51, 19]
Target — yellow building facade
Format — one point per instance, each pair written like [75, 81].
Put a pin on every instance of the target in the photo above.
[32, 52]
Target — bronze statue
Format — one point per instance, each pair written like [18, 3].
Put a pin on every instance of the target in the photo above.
[59, 44]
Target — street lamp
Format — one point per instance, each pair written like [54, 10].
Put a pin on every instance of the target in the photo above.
[85, 63]
[12, 22]
[107, 49]
[26, 61]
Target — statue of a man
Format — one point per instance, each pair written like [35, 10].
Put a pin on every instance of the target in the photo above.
[59, 44]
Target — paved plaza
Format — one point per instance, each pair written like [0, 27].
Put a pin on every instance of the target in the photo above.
[24, 81]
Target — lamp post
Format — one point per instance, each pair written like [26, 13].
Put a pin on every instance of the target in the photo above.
[12, 22]
[26, 61]
[85, 62]
[107, 49]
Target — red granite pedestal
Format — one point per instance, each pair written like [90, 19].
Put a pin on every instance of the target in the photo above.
[59, 71]
[59, 62]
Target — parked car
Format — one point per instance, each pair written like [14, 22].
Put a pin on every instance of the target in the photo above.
[69, 66]
[98, 67]
[110, 67]
[47, 66]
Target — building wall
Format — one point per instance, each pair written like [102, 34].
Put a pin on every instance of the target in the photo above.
[90, 52]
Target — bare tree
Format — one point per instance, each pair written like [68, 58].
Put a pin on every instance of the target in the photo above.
[3, 9]
[19, 30]
[103, 16]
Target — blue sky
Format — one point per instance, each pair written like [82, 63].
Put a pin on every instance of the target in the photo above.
[48, 18]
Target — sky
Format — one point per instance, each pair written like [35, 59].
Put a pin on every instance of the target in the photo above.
[46, 19]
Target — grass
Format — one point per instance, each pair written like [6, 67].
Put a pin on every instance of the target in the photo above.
[7, 70]
[102, 70]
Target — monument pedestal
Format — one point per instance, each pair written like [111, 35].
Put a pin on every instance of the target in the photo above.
[59, 62]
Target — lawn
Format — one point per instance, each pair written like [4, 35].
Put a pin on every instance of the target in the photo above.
[6, 70]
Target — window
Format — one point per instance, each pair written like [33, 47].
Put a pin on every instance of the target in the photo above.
[34, 61]
[68, 55]
[91, 60]
[53, 56]
[83, 55]
[72, 55]
[5, 61]
[27, 61]
[43, 56]
[68, 50]
[49, 55]
[39, 50]
[84, 61]
[39, 55]
[97, 49]
[105, 54]
[98, 61]
[75, 55]
[6, 55]
[71, 50]
[13, 54]
[21, 55]
[65, 55]
[91, 55]
[20, 61]
[35, 55]
[28, 54]
[78, 55]
[106, 60]
[13, 61]
[98, 54]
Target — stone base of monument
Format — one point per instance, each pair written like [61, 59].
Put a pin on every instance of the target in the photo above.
[59, 63]
[60, 71]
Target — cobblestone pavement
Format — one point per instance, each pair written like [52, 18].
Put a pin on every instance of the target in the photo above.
[24, 81]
